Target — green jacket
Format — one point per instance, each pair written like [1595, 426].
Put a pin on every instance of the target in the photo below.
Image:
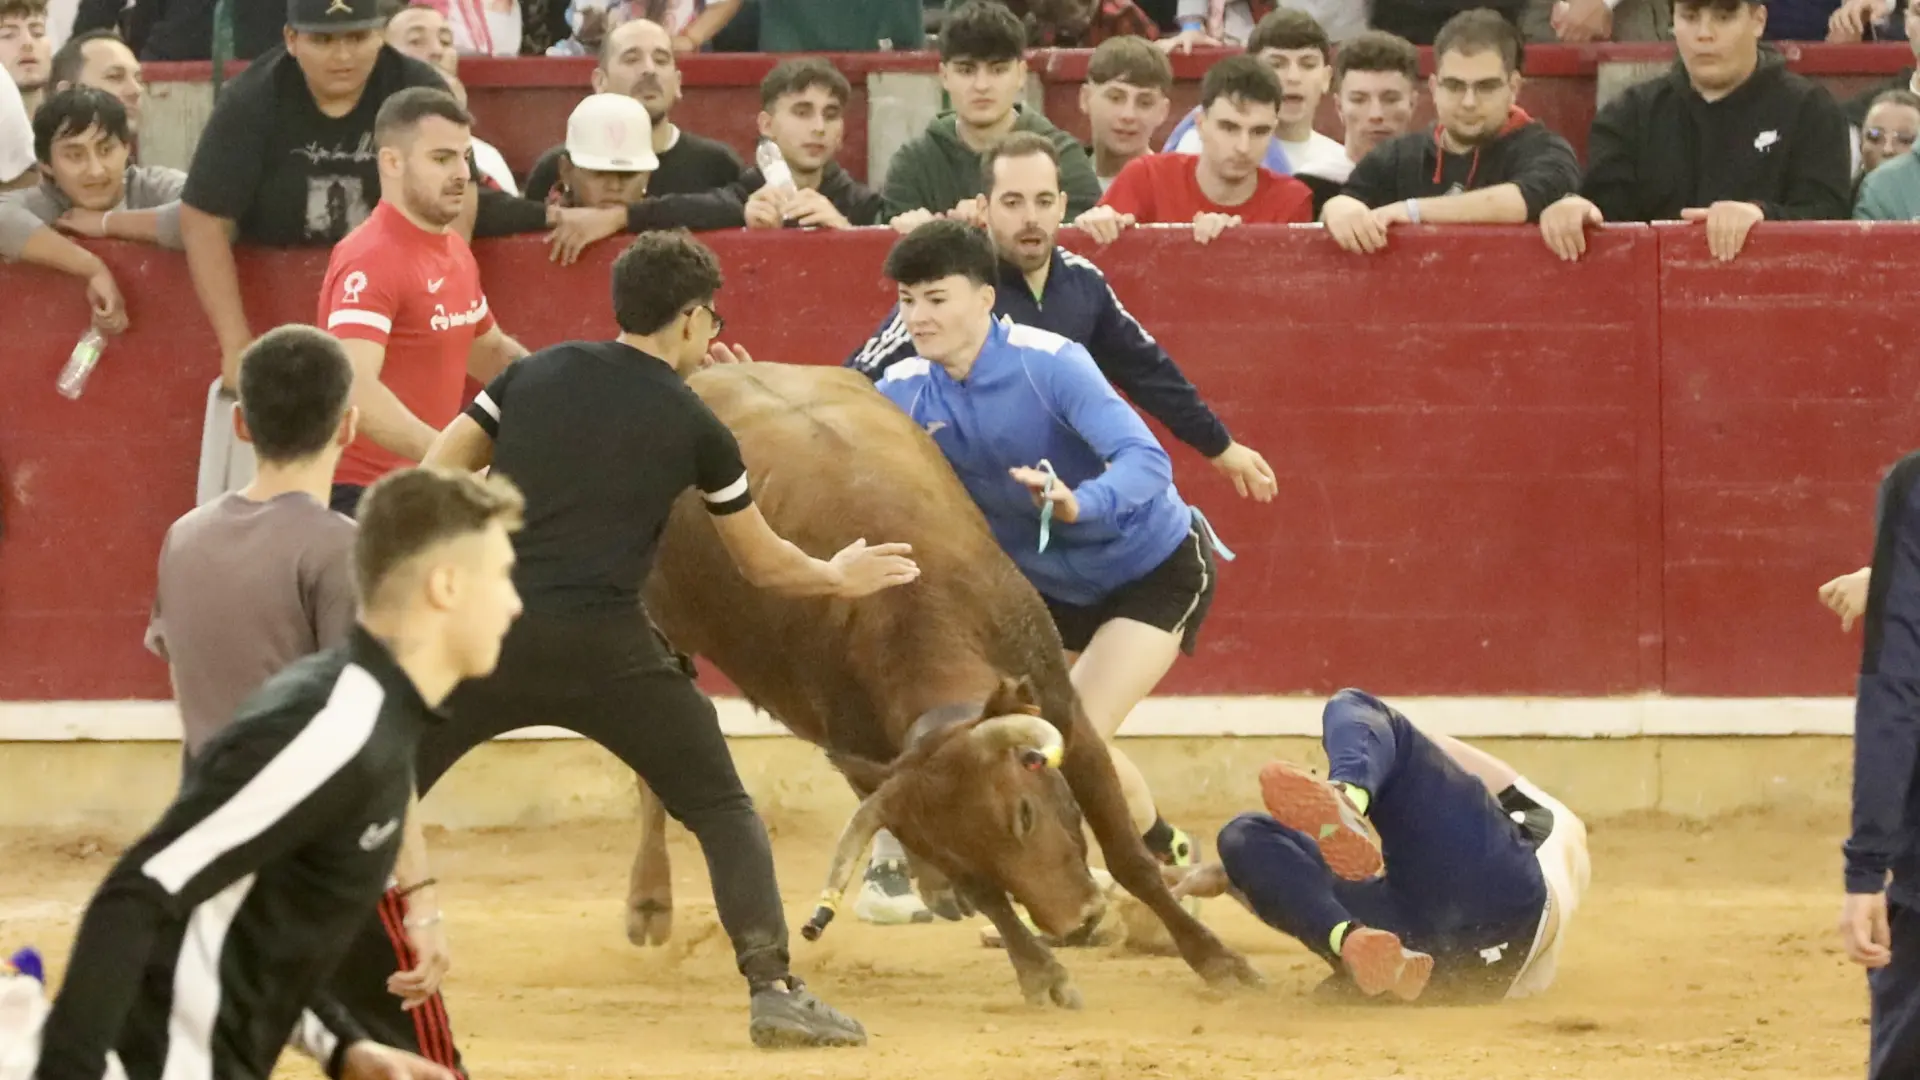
[1891, 192]
[937, 170]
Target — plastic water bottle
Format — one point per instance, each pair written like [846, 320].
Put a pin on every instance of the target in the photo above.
[86, 353]
[773, 167]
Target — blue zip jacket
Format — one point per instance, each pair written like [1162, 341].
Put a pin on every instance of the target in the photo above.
[1034, 395]
[1078, 304]
[1886, 716]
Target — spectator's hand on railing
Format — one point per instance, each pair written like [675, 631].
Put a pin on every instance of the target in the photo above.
[1355, 226]
[89, 223]
[767, 208]
[578, 227]
[911, 220]
[1103, 223]
[1208, 226]
[1577, 22]
[1850, 21]
[727, 354]
[1728, 223]
[109, 308]
[1185, 40]
[1564, 226]
[1251, 475]
[813, 210]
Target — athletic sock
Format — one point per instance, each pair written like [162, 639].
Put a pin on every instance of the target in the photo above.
[1159, 837]
[1358, 796]
[1339, 936]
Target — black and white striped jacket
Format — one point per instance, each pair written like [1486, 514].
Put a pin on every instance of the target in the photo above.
[207, 949]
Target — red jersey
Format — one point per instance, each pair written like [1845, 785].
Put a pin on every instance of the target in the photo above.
[1165, 189]
[417, 294]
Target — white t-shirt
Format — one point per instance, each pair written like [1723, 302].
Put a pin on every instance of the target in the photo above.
[1565, 867]
[16, 131]
[493, 165]
[1319, 156]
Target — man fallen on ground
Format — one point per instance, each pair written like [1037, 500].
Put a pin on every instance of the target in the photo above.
[1421, 867]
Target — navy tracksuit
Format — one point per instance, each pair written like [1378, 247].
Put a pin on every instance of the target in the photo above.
[1886, 801]
[1462, 883]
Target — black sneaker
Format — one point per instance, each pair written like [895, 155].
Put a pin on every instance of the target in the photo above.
[795, 1017]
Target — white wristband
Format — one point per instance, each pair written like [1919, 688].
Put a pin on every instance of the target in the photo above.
[1413, 211]
[106, 226]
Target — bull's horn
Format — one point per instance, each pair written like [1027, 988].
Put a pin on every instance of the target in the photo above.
[846, 856]
[1039, 742]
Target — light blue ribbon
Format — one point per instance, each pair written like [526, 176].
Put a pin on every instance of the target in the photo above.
[1211, 537]
[1046, 504]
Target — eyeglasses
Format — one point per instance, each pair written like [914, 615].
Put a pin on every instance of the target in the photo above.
[719, 323]
[1898, 138]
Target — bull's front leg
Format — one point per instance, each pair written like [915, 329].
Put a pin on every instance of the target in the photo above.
[650, 886]
[1088, 770]
[1042, 977]
[940, 895]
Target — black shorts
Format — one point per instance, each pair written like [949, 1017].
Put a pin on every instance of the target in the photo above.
[1173, 596]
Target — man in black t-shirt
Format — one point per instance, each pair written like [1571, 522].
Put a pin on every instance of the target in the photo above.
[603, 438]
[288, 156]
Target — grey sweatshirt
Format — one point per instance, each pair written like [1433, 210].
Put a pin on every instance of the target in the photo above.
[148, 187]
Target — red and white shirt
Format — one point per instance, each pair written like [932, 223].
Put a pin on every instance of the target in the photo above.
[417, 294]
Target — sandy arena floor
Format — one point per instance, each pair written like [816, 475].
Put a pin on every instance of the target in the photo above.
[1702, 953]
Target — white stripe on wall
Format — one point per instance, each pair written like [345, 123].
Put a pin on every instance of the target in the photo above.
[329, 742]
[196, 984]
[1484, 717]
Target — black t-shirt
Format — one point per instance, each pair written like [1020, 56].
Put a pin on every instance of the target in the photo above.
[286, 172]
[601, 438]
[691, 165]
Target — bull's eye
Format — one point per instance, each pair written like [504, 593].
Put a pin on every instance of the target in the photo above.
[1023, 819]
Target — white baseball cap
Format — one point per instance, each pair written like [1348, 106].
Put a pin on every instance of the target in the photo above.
[611, 133]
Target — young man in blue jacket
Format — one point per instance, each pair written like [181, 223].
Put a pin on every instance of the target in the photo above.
[1074, 486]
[1880, 921]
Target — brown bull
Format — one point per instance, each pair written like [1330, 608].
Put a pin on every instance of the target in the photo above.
[930, 697]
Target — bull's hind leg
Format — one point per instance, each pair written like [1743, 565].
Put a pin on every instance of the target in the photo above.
[650, 886]
[1042, 978]
[1089, 772]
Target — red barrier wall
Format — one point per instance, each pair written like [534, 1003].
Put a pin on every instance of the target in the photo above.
[1499, 473]
[521, 105]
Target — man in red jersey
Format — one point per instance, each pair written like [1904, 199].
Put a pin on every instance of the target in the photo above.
[403, 295]
[1225, 184]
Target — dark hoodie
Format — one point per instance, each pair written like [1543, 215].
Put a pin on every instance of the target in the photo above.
[936, 170]
[1779, 141]
[1417, 165]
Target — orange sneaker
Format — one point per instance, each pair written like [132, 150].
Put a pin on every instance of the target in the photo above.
[1299, 800]
[1380, 964]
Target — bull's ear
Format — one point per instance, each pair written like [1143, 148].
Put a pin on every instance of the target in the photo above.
[1013, 696]
[865, 775]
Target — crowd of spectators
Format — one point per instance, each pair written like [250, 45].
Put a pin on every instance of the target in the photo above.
[1728, 137]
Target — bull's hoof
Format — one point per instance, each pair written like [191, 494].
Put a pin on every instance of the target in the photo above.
[1051, 984]
[947, 905]
[1230, 969]
[649, 922]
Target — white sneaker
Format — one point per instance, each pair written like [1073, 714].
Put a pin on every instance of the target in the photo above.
[887, 897]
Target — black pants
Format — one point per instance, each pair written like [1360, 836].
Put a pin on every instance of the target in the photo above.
[611, 679]
[1894, 1021]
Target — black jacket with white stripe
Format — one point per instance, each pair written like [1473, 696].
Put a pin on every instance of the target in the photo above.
[1079, 305]
[207, 948]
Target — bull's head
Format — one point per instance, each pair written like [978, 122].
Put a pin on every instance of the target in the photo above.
[982, 800]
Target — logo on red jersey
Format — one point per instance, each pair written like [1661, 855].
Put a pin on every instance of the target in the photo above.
[443, 321]
[352, 287]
